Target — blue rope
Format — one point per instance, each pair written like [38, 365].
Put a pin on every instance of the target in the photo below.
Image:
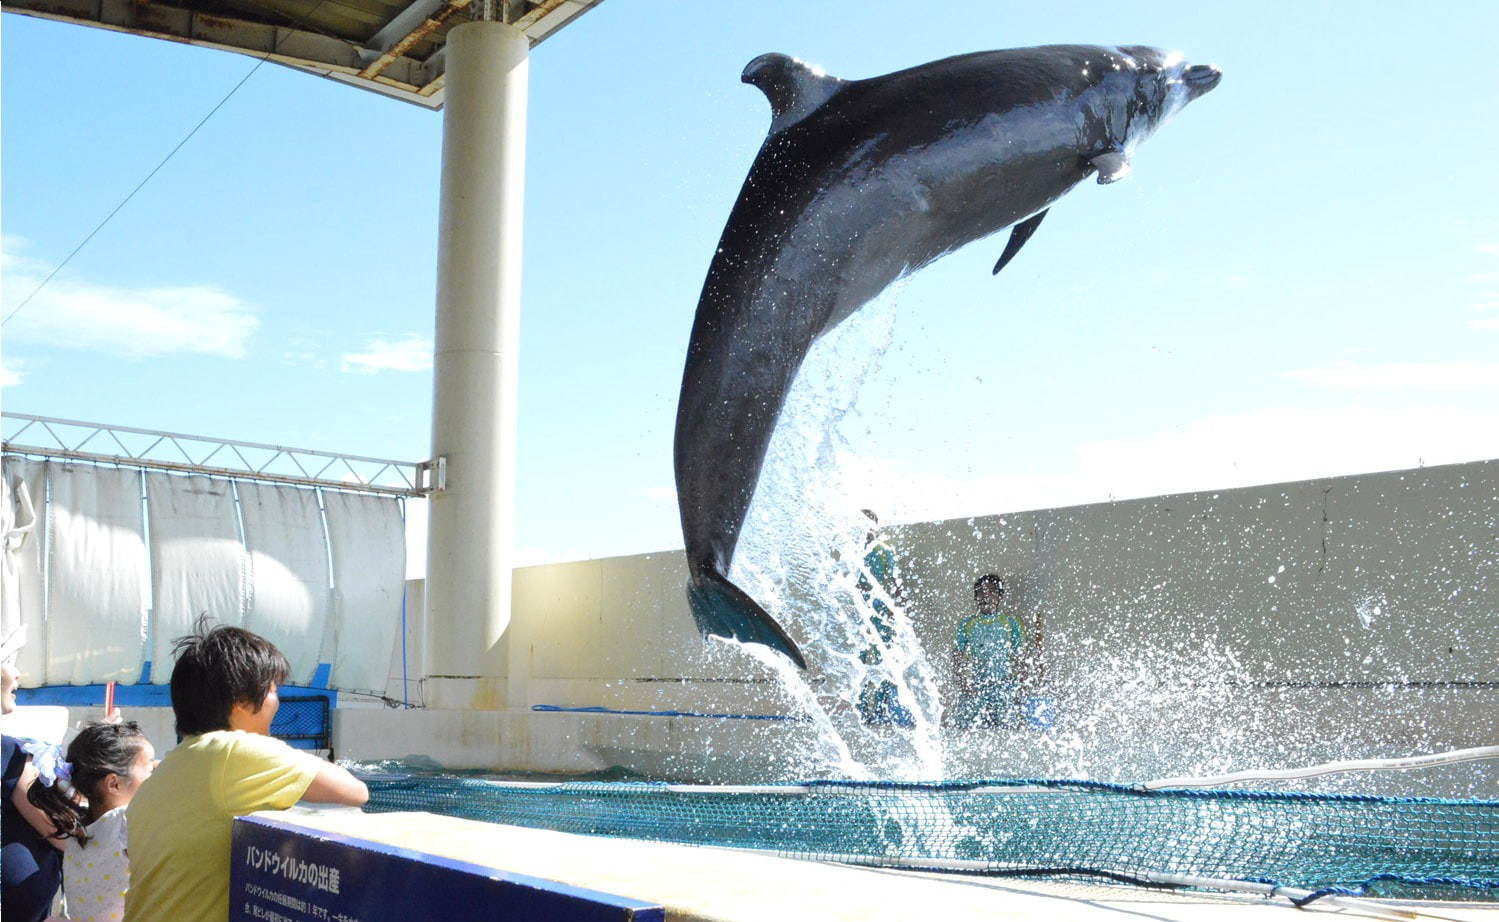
[1064, 784]
[1289, 797]
[1300, 903]
[405, 676]
[1363, 888]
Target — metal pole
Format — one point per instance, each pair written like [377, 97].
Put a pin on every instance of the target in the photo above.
[470, 532]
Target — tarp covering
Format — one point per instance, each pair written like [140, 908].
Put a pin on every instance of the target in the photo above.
[23, 595]
[197, 559]
[367, 539]
[104, 583]
[97, 575]
[288, 565]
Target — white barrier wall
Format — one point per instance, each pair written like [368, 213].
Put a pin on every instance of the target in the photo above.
[614, 633]
[1378, 578]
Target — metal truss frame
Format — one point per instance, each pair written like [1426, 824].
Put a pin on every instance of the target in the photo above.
[177, 452]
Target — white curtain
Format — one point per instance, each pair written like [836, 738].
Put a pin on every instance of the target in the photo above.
[197, 560]
[23, 520]
[367, 540]
[103, 587]
[288, 560]
[96, 606]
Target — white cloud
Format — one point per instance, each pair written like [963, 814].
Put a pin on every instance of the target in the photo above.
[1214, 453]
[1486, 277]
[1486, 323]
[131, 322]
[406, 353]
[1406, 376]
[10, 375]
[1490, 248]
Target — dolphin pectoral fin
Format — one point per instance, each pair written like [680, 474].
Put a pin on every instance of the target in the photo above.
[793, 87]
[1112, 166]
[1018, 236]
[722, 608]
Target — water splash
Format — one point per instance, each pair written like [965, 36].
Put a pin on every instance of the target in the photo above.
[802, 556]
[1368, 610]
[1131, 704]
[830, 756]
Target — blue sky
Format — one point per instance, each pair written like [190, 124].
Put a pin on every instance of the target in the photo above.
[1300, 278]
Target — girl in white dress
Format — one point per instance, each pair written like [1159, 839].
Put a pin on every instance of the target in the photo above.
[84, 796]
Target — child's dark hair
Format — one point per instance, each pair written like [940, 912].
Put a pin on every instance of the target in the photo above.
[98, 751]
[218, 668]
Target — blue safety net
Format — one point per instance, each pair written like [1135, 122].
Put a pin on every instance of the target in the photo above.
[1427, 848]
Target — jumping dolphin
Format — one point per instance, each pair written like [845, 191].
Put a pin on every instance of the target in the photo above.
[859, 183]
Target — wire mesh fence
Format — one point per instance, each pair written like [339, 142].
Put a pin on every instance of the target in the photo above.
[1384, 846]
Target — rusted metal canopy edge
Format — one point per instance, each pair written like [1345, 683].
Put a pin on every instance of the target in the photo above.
[382, 70]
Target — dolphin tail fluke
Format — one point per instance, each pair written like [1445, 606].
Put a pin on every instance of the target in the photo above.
[722, 608]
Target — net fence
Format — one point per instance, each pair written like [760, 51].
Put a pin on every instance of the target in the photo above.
[1394, 847]
[304, 721]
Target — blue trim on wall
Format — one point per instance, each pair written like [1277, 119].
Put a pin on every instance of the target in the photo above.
[142, 694]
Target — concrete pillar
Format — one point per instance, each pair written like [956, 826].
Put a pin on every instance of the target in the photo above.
[471, 527]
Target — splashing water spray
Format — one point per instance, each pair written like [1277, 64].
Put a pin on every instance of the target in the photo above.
[803, 556]
[1132, 705]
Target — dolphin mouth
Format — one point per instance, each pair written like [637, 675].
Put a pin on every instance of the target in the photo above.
[1199, 78]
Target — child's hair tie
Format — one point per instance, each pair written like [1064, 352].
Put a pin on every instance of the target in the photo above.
[52, 769]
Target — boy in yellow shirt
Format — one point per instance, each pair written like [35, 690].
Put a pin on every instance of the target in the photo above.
[227, 765]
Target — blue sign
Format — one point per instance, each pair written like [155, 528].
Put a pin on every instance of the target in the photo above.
[286, 873]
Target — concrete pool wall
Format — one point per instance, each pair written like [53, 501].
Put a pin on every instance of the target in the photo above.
[1405, 560]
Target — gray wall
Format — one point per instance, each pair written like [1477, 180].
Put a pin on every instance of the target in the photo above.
[1275, 576]
[1286, 624]
[1384, 578]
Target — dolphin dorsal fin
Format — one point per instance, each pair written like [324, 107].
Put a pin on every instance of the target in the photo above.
[793, 87]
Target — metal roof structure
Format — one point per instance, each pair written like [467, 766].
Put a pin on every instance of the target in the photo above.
[393, 47]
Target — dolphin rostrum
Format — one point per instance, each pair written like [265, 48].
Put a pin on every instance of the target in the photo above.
[859, 183]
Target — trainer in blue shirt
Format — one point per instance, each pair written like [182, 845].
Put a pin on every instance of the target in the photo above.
[987, 661]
